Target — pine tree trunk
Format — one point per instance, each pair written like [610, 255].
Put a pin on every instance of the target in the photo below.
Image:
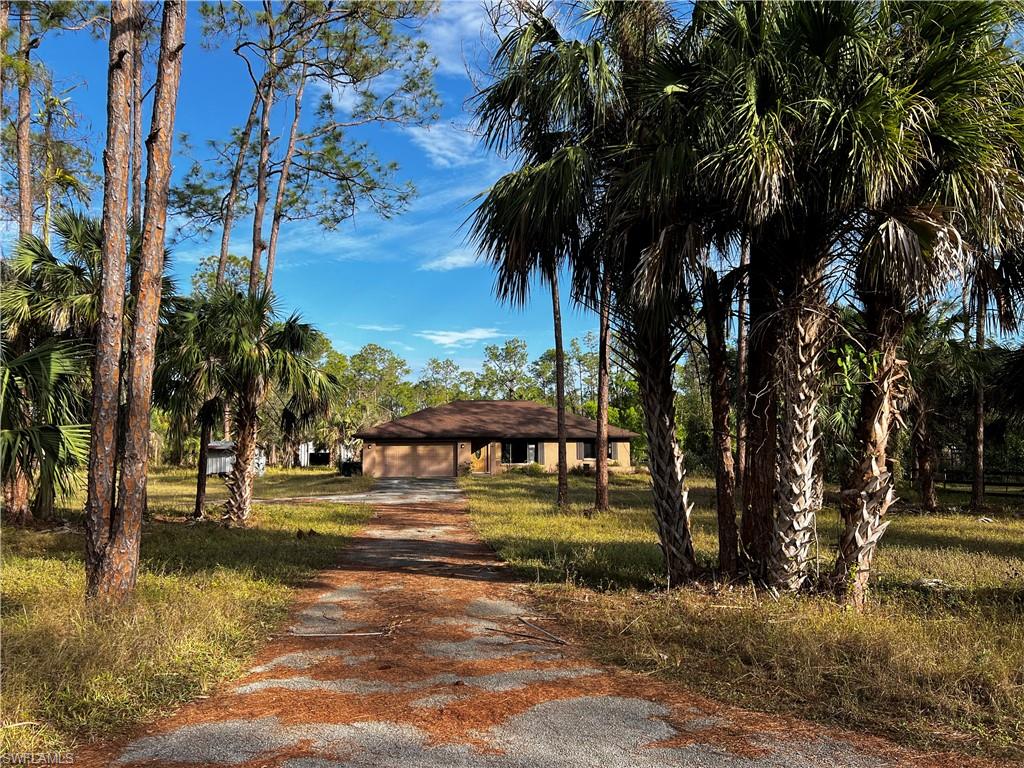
[924, 454]
[742, 334]
[205, 435]
[232, 196]
[120, 563]
[563, 470]
[238, 508]
[721, 405]
[760, 414]
[103, 448]
[282, 184]
[24, 122]
[869, 494]
[5, 20]
[800, 375]
[137, 120]
[978, 481]
[654, 364]
[262, 175]
[604, 342]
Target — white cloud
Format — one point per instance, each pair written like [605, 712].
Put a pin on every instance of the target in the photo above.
[455, 33]
[379, 328]
[458, 259]
[447, 145]
[455, 339]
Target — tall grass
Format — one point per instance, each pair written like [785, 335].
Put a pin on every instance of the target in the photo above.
[207, 597]
[936, 661]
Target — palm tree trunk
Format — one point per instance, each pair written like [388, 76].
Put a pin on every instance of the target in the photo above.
[604, 342]
[205, 434]
[238, 508]
[742, 332]
[16, 502]
[721, 405]
[978, 482]
[100, 500]
[868, 496]
[24, 122]
[924, 454]
[282, 183]
[760, 411]
[232, 196]
[563, 470]
[654, 364]
[120, 566]
[795, 518]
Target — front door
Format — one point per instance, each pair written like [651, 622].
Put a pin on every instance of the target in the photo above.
[478, 462]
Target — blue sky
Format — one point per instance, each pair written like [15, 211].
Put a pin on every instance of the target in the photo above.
[410, 283]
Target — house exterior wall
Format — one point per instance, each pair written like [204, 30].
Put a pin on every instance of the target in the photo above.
[549, 456]
[434, 459]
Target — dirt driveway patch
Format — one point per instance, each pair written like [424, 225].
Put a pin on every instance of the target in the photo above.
[421, 651]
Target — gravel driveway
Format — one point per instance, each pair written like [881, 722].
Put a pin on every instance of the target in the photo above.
[422, 651]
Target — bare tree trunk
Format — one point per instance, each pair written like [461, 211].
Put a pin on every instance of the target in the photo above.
[653, 365]
[238, 508]
[24, 122]
[119, 567]
[978, 481]
[262, 172]
[760, 415]
[924, 454]
[742, 331]
[563, 470]
[282, 183]
[103, 448]
[721, 404]
[137, 121]
[232, 197]
[604, 342]
[800, 374]
[205, 434]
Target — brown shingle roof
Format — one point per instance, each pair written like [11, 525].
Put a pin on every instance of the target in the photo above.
[492, 419]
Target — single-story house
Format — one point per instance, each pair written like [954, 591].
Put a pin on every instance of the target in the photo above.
[487, 436]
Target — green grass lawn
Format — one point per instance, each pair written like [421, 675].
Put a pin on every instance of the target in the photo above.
[934, 664]
[207, 597]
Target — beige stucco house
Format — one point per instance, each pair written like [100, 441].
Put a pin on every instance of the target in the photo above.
[487, 436]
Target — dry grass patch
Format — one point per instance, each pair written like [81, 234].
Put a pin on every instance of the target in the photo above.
[207, 597]
[932, 663]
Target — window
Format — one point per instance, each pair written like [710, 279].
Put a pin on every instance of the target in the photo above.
[519, 452]
[587, 449]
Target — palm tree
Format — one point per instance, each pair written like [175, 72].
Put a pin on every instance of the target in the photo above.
[41, 429]
[252, 350]
[560, 105]
[188, 382]
[765, 100]
[952, 191]
[52, 292]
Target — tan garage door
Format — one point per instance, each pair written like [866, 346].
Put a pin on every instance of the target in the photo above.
[420, 460]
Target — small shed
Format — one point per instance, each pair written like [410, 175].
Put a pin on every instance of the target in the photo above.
[220, 458]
